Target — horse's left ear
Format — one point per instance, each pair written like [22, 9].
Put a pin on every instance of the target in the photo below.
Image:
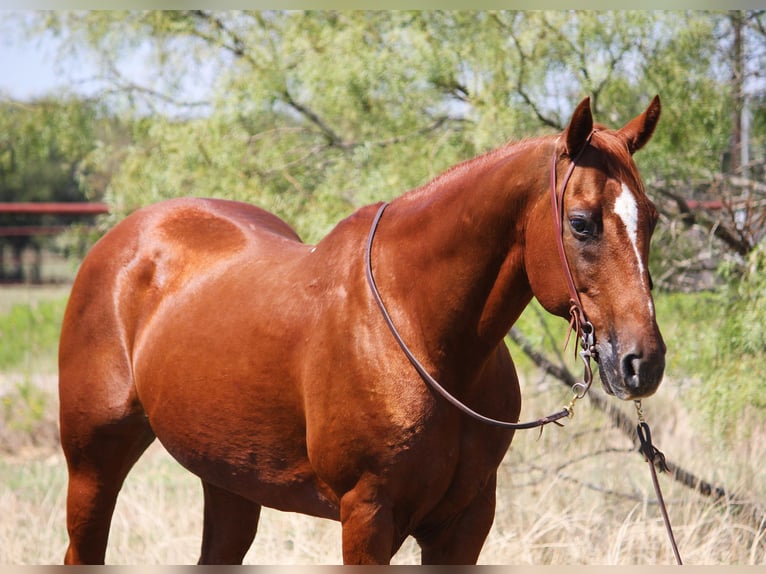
[639, 130]
[579, 128]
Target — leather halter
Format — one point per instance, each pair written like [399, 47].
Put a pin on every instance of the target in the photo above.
[579, 321]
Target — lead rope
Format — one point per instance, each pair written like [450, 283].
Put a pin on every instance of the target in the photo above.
[655, 458]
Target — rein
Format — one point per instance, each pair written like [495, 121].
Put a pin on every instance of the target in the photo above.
[578, 321]
[564, 412]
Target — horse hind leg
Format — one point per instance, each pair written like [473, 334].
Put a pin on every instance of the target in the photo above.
[98, 461]
[104, 431]
[231, 522]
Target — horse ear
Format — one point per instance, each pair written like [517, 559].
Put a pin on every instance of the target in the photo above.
[639, 130]
[579, 128]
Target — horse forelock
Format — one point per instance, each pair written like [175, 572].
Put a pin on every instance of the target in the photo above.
[619, 162]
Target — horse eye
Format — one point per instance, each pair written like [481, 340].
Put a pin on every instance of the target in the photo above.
[581, 227]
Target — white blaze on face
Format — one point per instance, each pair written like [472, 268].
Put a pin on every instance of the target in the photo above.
[626, 208]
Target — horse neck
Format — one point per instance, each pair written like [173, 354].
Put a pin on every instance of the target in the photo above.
[452, 252]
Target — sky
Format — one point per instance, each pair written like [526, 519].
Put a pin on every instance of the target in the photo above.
[31, 68]
[28, 68]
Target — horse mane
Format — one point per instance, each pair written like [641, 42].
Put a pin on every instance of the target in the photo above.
[487, 160]
[613, 151]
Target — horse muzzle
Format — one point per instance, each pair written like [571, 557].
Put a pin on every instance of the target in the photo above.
[631, 374]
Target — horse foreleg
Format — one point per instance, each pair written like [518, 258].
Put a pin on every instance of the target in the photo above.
[368, 526]
[460, 540]
[229, 528]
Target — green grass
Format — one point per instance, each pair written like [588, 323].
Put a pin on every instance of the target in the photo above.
[690, 324]
[23, 407]
[716, 342]
[29, 329]
[30, 322]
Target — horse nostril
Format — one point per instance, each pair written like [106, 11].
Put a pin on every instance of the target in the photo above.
[631, 363]
[636, 374]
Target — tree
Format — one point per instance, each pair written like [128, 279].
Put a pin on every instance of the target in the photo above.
[42, 147]
[312, 114]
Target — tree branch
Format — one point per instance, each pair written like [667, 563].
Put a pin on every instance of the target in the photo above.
[237, 47]
[333, 139]
[523, 57]
[691, 216]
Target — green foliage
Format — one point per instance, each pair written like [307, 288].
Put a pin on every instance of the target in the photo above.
[744, 305]
[43, 148]
[315, 113]
[696, 116]
[41, 145]
[29, 335]
[689, 323]
[735, 384]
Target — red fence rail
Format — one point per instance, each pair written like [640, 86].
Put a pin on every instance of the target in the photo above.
[45, 208]
[31, 230]
[55, 208]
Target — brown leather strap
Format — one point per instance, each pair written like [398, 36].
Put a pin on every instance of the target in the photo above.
[655, 458]
[578, 320]
[425, 375]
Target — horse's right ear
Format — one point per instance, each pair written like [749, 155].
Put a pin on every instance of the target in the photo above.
[579, 128]
[639, 130]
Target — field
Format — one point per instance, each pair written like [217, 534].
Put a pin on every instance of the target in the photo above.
[575, 495]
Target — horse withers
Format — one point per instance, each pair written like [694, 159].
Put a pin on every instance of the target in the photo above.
[265, 367]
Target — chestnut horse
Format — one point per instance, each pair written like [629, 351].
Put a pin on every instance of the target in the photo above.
[265, 367]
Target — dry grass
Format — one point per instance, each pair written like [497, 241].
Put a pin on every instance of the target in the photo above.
[577, 495]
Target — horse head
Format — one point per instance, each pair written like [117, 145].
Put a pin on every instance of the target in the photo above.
[606, 224]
